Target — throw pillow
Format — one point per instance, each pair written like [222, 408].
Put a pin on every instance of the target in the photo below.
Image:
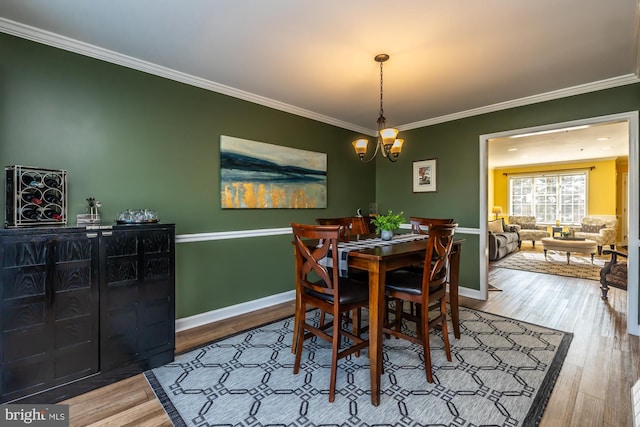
[591, 228]
[529, 226]
[496, 226]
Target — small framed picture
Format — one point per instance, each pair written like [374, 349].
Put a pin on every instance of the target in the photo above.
[425, 176]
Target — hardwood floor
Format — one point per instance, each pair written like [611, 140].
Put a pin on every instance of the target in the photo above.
[593, 388]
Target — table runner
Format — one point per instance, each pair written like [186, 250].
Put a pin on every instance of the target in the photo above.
[354, 245]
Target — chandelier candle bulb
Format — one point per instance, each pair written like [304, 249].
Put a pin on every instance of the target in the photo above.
[388, 135]
[360, 145]
[396, 148]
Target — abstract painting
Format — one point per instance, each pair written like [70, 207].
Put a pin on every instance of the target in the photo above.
[257, 175]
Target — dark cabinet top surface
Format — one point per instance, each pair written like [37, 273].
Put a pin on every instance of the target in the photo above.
[79, 229]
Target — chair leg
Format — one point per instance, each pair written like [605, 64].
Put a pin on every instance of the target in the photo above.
[335, 347]
[398, 319]
[299, 339]
[445, 328]
[355, 325]
[322, 313]
[419, 329]
[296, 325]
[294, 339]
[426, 348]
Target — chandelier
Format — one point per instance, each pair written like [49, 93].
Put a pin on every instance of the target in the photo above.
[387, 144]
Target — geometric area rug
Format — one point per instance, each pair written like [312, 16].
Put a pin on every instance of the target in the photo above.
[502, 373]
[556, 263]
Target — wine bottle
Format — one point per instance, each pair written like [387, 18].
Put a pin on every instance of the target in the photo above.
[30, 194]
[51, 198]
[27, 179]
[51, 181]
[52, 214]
[29, 212]
[31, 181]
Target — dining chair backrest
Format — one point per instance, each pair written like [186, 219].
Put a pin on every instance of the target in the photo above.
[418, 224]
[345, 224]
[437, 255]
[312, 244]
[362, 225]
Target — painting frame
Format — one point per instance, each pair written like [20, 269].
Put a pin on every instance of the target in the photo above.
[425, 176]
[260, 175]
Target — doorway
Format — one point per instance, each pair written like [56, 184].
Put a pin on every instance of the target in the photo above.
[630, 121]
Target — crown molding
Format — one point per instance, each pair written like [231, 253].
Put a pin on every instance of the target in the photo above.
[548, 96]
[61, 42]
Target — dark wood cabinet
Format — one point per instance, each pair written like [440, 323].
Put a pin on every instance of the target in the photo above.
[82, 308]
[137, 291]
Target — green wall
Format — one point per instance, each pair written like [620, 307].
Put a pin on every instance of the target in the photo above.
[134, 140]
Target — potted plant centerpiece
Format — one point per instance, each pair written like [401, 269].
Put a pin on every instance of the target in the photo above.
[387, 224]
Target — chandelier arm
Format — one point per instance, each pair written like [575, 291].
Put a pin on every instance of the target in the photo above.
[383, 149]
[375, 153]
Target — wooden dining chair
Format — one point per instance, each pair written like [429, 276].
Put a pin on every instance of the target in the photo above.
[362, 225]
[345, 224]
[419, 224]
[317, 287]
[427, 290]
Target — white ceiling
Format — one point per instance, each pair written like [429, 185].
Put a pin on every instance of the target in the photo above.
[598, 141]
[315, 58]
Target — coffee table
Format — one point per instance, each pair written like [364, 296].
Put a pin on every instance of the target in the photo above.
[568, 245]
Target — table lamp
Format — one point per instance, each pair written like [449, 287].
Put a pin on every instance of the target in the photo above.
[497, 210]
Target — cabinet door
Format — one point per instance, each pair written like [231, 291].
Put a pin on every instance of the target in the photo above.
[75, 304]
[49, 319]
[137, 293]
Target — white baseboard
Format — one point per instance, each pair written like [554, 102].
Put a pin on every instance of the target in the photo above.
[185, 323]
[470, 293]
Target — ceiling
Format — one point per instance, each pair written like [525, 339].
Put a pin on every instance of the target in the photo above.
[597, 141]
[448, 59]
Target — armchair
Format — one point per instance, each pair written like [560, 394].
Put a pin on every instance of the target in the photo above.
[614, 273]
[604, 231]
[527, 228]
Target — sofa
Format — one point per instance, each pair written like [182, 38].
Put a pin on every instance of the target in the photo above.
[503, 239]
[603, 230]
[527, 228]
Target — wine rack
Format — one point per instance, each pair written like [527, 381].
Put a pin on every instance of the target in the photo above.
[35, 196]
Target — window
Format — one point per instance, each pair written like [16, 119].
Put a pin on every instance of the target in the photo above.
[549, 197]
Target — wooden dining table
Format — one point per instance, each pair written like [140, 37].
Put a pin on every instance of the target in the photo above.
[377, 261]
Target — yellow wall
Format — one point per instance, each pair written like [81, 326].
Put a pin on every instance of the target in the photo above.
[602, 193]
[490, 196]
[622, 166]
